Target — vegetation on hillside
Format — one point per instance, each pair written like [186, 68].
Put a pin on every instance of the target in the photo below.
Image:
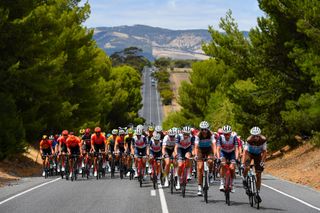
[271, 80]
[53, 75]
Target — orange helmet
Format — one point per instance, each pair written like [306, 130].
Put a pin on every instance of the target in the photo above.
[97, 129]
[65, 132]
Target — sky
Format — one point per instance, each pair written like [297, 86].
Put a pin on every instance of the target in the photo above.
[172, 14]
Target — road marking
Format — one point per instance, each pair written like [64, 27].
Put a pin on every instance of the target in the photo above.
[297, 199]
[29, 190]
[157, 100]
[150, 99]
[153, 192]
[163, 200]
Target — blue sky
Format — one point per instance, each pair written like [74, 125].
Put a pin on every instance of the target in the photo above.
[172, 14]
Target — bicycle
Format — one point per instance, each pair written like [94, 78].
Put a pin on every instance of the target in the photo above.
[216, 169]
[252, 191]
[64, 159]
[227, 182]
[74, 166]
[184, 176]
[101, 172]
[206, 179]
[131, 170]
[121, 165]
[140, 169]
[87, 165]
[154, 170]
[172, 179]
[46, 166]
[113, 164]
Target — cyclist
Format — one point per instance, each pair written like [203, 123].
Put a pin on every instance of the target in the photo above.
[168, 145]
[183, 148]
[158, 129]
[110, 145]
[45, 149]
[128, 139]
[227, 149]
[138, 148]
[256, 149]
[98, 144]
[155, 152]
[204, 148]
[86, 147]
[74, 148]
[120, 145]
[63, 148]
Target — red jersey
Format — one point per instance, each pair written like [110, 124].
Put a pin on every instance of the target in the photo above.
[120, 141]
[73, 142]
[98, 140]
[45, 144]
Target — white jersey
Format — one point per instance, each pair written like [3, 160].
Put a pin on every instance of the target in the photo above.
[169, 142]
[139, 143]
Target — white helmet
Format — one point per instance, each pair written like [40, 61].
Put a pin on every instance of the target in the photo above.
[114, 132]
[255, 131]
[204, 125]
[140, 127]
[171, 132]
[226, 129]
[158, 128]
[157, 137]
[122, 132]
[186, 130]
[138, 131]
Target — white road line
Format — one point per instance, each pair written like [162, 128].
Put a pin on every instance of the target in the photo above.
[150, 100]
[153, 192]
[163, 200]
[29, 190]
[158, 107]
[297, 199]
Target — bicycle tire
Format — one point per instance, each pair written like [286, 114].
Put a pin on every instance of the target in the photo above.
[206, 187]
[250, 195]
[184, 182]
[112, 167]
[171, 181]
[227, 187]
[154, 180]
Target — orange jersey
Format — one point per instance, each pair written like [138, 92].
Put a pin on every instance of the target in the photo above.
[98, 140]
[62, 140]
[73, 142]
[120, 141]
[45, 144]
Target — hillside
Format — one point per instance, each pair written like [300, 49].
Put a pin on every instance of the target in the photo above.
[154, 41]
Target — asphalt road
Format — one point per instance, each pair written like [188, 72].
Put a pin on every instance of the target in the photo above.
[115, 195]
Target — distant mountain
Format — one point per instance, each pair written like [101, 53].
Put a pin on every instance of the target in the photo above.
[154, 41]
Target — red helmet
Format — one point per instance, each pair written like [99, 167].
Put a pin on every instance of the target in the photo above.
[65, 132]
[87, 131]
[97, 129]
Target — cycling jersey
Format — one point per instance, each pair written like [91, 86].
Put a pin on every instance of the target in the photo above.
[111, 141]
[155, 147]
[256, 147]
[183, 143]
[73, 142]
[169, 142]
[45, 144]
[98, 140]
[54, 144]
[120, 141]
[139, 143]
[86, 142]
[204, 142]
[128, 140]
[227, 146]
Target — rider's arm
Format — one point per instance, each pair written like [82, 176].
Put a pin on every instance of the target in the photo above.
[213, 145]
[41, 148]
[218, 147]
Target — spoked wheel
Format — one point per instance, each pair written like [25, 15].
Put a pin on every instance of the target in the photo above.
[205, 189]
[227, 195]
[171, 181]
[249, 190]
[112, 167]
[154, 179]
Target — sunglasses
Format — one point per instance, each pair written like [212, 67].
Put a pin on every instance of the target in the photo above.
[64, 135]
[204, 129]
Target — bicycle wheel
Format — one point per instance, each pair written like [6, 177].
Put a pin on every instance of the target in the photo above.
[171, 181]
[154, 179]
[112, 167]
[121, 168]
[249, 190]
[205, 187]
[227, 187]
[184, 182]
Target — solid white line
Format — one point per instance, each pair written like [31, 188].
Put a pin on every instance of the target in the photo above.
[163, 200]
[29, 190]
[297, 199]
[153, 192]
[150, 100]
[157, 98]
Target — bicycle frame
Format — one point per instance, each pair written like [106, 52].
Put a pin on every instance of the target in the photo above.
[252, 188]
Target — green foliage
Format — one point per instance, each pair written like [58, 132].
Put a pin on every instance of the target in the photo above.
[131, 56]
[162, 62]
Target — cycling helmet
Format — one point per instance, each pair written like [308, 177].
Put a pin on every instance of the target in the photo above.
[158, 128]
[186, 130]
[139, 132]
[114, 131]
[140, 127]
[227, 129]
[204, 125]
[122, 132]
[175, 130]
[65, 132]
[157, 137]
[87, 131]
[171, 132]
[81, 131]
[255, 131]
[44, 137]
[51, 137]
[97, 129]
[150, 128]
[130, 131]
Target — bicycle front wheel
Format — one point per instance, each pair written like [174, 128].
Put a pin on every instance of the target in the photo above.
[206, 187]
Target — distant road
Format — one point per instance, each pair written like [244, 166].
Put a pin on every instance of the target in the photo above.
[114, 195]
